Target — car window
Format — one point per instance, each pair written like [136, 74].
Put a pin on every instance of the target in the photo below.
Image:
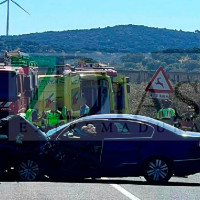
[126, 129]
[84, 131]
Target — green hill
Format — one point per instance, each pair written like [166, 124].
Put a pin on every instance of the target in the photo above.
[117, 39]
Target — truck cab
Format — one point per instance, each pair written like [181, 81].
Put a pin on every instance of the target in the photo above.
[12, 95]
[18, 76]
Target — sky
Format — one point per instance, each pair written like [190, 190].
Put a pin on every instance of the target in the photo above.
[59, 15]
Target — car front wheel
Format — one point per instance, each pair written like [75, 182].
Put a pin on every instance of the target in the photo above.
[157, 170]
[28, 170]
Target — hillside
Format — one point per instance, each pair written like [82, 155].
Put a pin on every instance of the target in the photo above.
[117, 39]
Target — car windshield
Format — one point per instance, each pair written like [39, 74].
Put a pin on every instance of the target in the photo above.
[98, 92]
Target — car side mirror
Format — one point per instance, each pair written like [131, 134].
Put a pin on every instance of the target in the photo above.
[3, 137]
[70, 135]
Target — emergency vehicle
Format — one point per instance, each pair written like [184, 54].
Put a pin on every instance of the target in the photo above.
[95, 84]
[18, 83]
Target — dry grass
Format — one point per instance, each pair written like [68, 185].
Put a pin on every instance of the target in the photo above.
[184, 94]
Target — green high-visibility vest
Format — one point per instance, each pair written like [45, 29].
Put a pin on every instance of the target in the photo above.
[29, 114]
[53, 118]
[165, 113]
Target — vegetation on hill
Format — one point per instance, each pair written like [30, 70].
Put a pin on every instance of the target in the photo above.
[117, 39]
[125, 46]
[179, 62]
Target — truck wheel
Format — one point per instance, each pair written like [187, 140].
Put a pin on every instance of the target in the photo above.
[28, 170]
[157, 170]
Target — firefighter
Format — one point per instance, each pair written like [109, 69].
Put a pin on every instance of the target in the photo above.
[166, 113]
[187, 119]
[53, 116]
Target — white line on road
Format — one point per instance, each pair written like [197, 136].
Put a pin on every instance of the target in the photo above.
[122, 190]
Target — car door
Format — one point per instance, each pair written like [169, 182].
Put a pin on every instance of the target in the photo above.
[123, 142]
[80, 146]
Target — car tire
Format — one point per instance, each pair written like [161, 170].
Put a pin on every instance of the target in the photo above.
[28, 170]
[157, 170]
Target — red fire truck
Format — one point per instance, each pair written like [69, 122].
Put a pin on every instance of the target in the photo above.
[18, 83]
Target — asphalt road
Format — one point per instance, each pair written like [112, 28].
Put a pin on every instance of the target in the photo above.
[100, 189]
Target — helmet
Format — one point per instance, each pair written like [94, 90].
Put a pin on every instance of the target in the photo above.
[166, 103]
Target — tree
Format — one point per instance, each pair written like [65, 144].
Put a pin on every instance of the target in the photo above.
[86, 60]
[191, 65]
[151, 64]
[134, 58]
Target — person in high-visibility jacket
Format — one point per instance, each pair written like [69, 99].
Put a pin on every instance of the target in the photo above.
[33, 116]
[187, 120]
[166, 113]
[53, 117]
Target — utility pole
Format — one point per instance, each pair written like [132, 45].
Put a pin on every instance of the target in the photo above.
[7, 29]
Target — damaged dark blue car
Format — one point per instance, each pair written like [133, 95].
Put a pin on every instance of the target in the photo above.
[107, 145]
[121, 145]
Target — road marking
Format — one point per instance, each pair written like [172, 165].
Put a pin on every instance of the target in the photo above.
[122, 190]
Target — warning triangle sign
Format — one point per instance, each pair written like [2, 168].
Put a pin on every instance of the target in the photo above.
[159, 83]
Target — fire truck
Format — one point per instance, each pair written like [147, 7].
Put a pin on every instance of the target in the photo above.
[96, 84]
[19, 82]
